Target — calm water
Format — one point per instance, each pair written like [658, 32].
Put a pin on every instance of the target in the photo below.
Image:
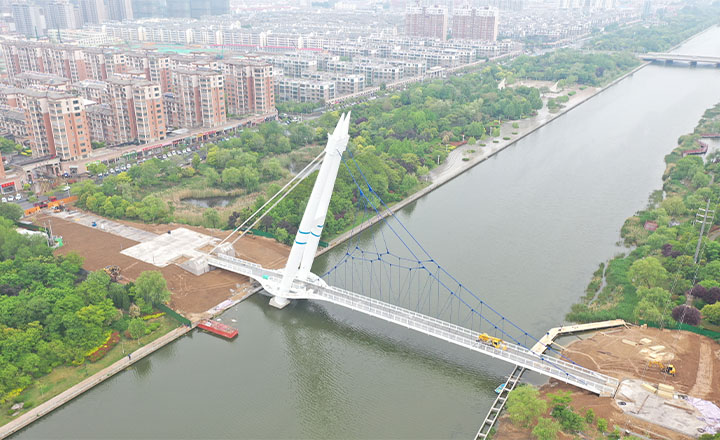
[210, 202]
[525, 230]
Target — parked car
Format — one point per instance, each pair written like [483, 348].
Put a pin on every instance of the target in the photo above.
[4, 200]
[18, 196]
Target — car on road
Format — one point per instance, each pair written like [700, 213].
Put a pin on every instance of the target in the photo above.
[18, 196]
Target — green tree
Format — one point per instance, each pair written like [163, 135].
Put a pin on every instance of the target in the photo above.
[648, 272]
[11, 211]
[546, 429]
[602, 425]
[211, 218]
[711, 312]
[674, 206]
[654, 304]
[196, 161]
[151, 287]
[524, 405]
[136, 328]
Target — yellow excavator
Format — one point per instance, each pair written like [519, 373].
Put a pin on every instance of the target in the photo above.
[495, 342]
[667, 369]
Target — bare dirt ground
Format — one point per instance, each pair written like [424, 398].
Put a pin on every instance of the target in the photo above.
[191, 294]
[696, 358]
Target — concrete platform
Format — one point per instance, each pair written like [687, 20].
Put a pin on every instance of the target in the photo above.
[105, 225]
[179, 245]
[677, 413]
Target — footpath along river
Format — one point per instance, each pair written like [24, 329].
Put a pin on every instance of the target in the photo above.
[525, 230]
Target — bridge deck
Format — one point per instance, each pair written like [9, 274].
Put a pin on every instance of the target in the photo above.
[562, 370]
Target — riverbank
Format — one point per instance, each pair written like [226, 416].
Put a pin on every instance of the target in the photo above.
[45, 408]
[455, 164]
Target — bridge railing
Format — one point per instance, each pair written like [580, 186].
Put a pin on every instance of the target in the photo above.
[463, 336]
[571, 373]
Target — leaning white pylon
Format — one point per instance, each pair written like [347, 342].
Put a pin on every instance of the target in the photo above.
[306, 242]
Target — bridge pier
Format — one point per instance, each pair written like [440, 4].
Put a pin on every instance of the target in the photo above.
[279, 302]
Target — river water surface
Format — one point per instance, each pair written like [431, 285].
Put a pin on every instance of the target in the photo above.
[525, 230]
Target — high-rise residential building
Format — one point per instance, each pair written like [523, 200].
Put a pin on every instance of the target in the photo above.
[475, 23]
[198, 98]
[426, 21]
[249, 86]
[137, 110]
[120, 10]
[197, 8]
[156, 67]
[93, 11]
[56, 123]
[60, 15]
[32, 56]
[149, 8]
[29, 19]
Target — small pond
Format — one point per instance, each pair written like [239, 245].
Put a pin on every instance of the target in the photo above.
[210, 202]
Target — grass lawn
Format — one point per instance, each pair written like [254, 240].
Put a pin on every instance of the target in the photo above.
[62, 378]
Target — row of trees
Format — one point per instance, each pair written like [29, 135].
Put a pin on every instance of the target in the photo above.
[660, 281]
[573, 66]
[658, 38]
[526, 409]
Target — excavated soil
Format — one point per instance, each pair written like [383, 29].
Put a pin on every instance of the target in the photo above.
[696, 358]
[191, 294]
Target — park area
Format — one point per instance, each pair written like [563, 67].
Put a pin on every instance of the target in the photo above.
[626, 354]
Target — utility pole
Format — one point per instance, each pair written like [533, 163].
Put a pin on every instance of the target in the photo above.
[702, 227]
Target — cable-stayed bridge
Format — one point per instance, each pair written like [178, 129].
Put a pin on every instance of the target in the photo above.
[393, 278]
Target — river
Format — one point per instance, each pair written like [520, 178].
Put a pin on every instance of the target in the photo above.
[525, 230]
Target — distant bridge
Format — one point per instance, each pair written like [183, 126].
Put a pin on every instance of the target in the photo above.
[670, 58]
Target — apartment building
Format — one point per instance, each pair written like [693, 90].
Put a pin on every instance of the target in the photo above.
[197, 99]
[12, 123]
[137, 111]
[426, 21]
[303, 90]
[56, 123]
[119, 10]
[93, 11]
[103, 63]
[60, 15]
[249, 86]
[475, 23]
[29, 19]
[43, 80]
[345, 84]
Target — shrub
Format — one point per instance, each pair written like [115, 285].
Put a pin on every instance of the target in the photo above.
[546, 429]
[686, 314]
[602, 425]
[524, 405]
[590, 416]
[711, 312]
[569, 419]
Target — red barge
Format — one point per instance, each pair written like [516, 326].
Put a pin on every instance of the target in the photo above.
[218, 328]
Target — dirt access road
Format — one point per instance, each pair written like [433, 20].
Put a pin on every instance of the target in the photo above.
[696, 358]
[191, 294]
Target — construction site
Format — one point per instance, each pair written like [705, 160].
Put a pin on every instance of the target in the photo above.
[138, 247]
[650, 402]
